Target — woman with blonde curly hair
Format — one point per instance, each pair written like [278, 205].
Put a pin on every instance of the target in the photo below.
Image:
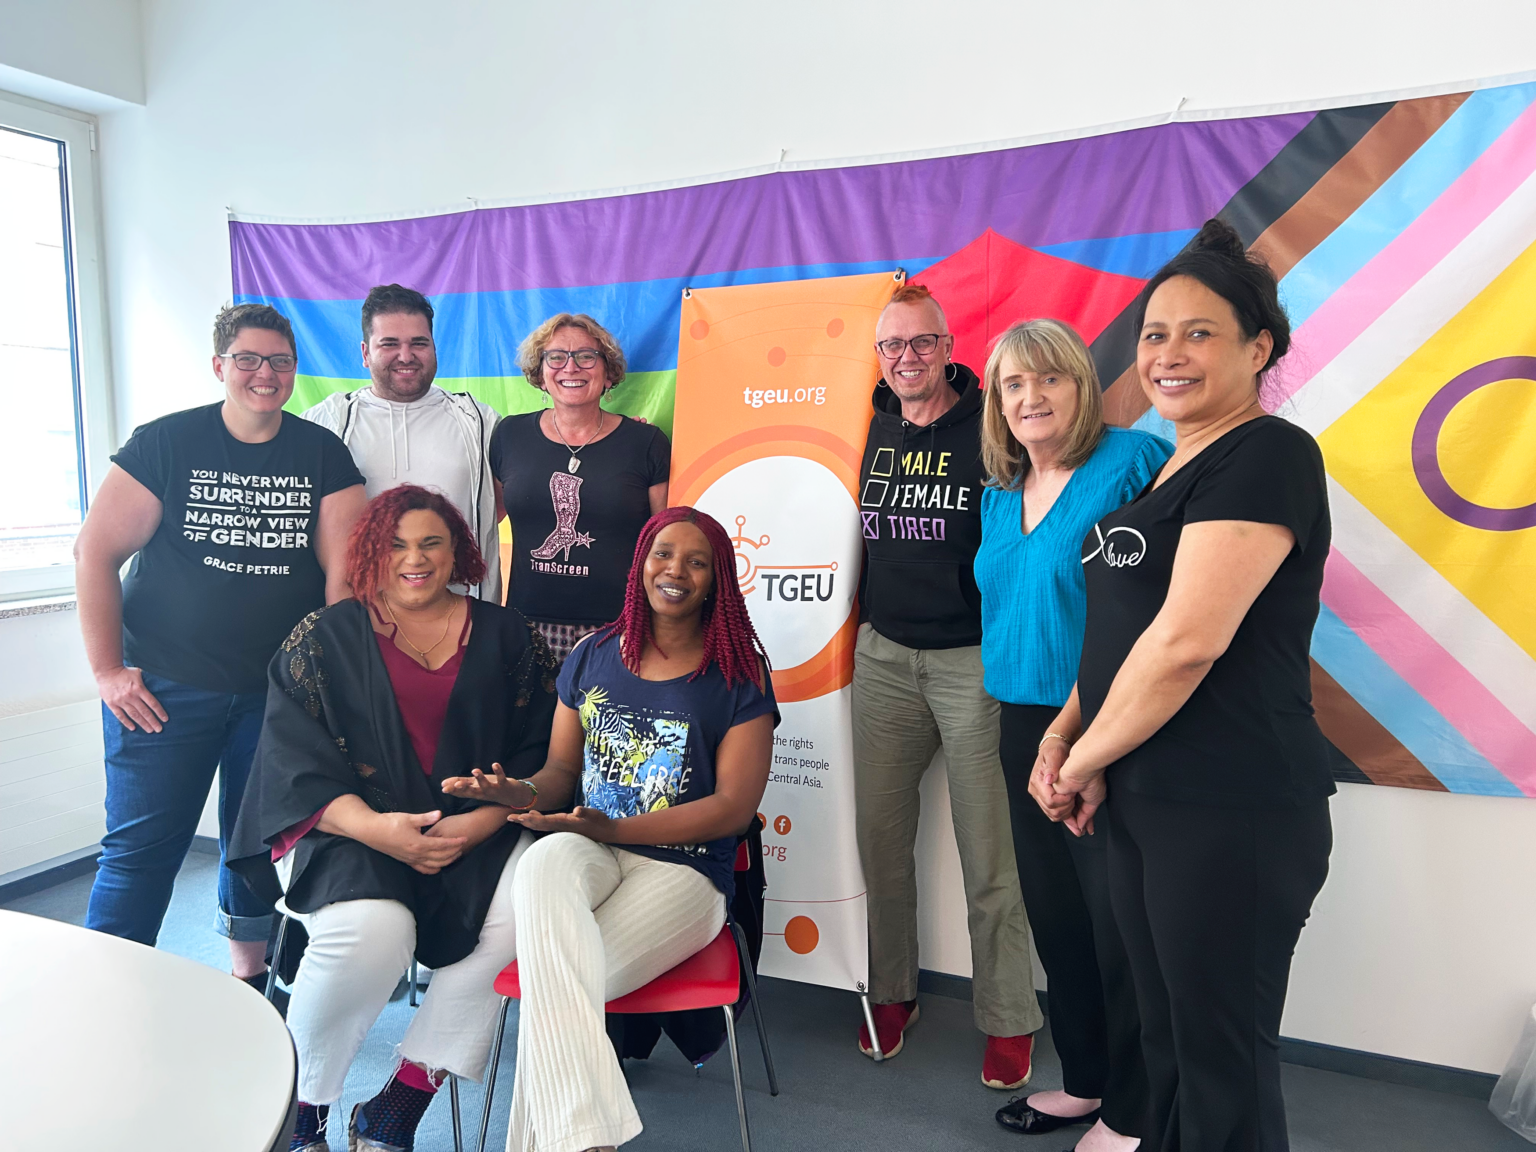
[579, 482]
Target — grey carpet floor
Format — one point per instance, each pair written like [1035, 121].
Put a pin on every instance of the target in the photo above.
[929, 1098]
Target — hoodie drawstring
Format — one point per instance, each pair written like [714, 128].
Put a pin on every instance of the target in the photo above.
[394, 463]
[405, 432]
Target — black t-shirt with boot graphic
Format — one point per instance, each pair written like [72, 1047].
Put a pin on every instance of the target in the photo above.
[574, 532]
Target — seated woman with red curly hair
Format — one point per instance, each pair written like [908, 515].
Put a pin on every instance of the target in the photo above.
[662, 737]
[372, 704]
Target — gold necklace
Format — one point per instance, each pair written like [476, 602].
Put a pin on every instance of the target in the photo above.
[401, 632]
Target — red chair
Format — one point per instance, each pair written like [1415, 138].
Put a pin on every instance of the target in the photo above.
[710, 978]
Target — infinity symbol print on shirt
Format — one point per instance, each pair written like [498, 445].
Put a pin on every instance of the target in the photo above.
[1134, 548]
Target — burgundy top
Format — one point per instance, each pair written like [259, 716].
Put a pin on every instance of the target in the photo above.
[422, 693]
[422, 696]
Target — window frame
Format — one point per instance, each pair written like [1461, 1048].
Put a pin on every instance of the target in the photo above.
[77, 132]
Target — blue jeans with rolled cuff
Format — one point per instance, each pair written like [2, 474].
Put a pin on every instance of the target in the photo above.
[157, 783]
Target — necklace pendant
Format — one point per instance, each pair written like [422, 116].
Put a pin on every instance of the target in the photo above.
[572, 465]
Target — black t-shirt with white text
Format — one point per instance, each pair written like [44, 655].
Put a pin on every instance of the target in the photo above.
[574, 533]
[232, 567]
[1246, 737]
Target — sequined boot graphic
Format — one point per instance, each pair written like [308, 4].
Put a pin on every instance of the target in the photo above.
[565, 494]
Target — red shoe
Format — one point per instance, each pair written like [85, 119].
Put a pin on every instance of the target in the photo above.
[1008, 1062]
[891, 1022]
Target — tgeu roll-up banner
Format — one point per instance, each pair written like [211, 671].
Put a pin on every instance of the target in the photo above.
[773, 404]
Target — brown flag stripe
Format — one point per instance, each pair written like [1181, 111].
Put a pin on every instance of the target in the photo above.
[1380, 150]
[1361, 738]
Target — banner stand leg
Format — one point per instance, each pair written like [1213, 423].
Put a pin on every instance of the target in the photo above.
[869, 1022]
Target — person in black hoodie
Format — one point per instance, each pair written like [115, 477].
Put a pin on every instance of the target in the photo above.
[917, 687]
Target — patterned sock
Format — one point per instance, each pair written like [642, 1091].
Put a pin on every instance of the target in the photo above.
[311, 1126]
[391, 1116]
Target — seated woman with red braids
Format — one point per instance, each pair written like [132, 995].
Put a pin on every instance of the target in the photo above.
[663, 737]
[372, 704]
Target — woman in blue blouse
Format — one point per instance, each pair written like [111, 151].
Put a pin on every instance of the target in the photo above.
[1055, 471]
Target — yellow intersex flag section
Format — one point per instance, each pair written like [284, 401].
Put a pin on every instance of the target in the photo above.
[1443, 451]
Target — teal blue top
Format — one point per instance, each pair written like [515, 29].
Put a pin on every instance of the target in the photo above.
[1033, 604]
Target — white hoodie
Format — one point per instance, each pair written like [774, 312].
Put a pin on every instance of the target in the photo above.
[441, 441]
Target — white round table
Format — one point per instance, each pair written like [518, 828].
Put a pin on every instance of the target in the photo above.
[112, 1045]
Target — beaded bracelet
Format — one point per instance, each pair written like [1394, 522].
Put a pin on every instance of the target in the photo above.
[1048, 735]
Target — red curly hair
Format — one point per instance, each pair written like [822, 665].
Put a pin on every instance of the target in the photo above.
[373, 539]
[729, 638]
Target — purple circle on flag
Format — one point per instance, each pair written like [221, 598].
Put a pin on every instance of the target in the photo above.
[1426, 447]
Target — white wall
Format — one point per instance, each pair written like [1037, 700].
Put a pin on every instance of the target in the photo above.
[43, 663]
[1423, 944]
[85, 51]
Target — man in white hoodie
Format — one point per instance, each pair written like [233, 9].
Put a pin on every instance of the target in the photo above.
[403, 429]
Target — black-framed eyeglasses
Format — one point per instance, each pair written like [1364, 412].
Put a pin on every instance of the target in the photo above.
[558, 358]
[251, 361]
[923, 345]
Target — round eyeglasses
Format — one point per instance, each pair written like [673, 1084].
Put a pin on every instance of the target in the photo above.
[251, 362]
[923, 345]
[585, 358]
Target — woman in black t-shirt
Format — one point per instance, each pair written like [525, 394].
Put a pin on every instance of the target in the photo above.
[579, 483]
[1193, 708]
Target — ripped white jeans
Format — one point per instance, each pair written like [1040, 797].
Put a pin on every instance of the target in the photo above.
[357, 952]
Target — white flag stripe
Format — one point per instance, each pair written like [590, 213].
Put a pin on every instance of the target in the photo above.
[1479, 645]
[1421, 311]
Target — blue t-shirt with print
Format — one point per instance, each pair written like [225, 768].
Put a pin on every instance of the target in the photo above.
[650, 744]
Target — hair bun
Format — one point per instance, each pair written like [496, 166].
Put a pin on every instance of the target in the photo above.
[1217, 235]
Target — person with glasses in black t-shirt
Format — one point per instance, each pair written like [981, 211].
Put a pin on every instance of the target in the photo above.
[578, 483]
[1192, 713]
[236, 515]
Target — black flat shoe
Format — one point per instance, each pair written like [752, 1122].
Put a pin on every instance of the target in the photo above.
[1018, 1116]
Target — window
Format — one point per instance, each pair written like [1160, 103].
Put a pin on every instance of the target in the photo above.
[54, 431]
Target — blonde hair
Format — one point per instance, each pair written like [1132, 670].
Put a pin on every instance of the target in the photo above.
[1042, 347]
[530, 357]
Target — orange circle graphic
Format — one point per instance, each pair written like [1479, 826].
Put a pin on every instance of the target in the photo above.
[699, 329]
[802, 935]
[835, 327]
[777, 356]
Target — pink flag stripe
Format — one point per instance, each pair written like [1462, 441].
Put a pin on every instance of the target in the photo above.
[1431, 671]
[1360, 302]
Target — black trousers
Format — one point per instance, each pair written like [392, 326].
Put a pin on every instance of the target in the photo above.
[1065, 879]
[1210, 902]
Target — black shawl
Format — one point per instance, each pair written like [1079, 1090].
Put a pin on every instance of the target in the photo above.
[332, 727]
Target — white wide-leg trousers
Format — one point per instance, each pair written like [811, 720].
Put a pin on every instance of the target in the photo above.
[357, 951]
[595, 922]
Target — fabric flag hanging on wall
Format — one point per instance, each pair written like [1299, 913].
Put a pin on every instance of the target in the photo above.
[1403, 232]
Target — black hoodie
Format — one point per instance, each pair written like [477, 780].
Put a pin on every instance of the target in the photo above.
[920, 499]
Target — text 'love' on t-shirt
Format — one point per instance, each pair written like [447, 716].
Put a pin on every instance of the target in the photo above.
[650, 744]
[231, 568]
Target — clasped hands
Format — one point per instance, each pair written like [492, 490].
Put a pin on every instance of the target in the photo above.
[1068, 797]
[497, 789]
[426, 841]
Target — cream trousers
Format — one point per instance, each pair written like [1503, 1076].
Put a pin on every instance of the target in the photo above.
[357, 951]
[596, 922]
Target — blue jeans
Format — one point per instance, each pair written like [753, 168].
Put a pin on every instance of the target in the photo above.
[157, 783]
